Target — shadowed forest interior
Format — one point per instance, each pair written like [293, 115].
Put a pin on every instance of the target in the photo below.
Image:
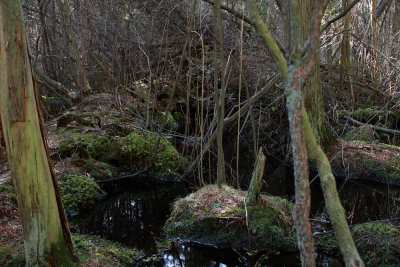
[200, 133]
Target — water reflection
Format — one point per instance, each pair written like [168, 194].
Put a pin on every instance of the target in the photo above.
[134, 218]
[364, 202]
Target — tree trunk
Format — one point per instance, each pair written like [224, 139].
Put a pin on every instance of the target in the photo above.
[43, 220]
[77, 67]
[294, 76]
[294, 103]
[256, 180]
[219, 96]
[345, 66]
[332, 201]
[376, 71]
[313, 99]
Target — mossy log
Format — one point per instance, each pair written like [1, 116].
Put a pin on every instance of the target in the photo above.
[362, 161]
[253, 195]
[372, 116]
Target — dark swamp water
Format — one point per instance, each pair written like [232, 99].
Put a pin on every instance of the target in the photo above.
[134, 215]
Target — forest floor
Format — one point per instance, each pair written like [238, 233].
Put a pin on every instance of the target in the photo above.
[357, 159]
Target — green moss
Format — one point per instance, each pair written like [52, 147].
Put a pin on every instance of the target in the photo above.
[268, 226]
[171, 124]
[99, 170]
[378, 243]
[5, 254]
[364, 134]
[11, 257]
[79, 192]
[104, 252]
[383, 171]
[9, 189]
[139, 146]
[16, 261]
[99, 147]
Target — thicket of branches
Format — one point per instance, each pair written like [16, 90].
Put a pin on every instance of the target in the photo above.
[104, 46]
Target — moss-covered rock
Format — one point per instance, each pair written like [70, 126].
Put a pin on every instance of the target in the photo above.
[99, 147]
[139, 147]
[377, 242]
[79, 192]
[99, 170]
[219, 217]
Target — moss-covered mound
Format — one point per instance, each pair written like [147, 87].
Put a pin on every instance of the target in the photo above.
[139, 148]
[99, 170]
[93, 249]
[362, 161]
[79, 192]
[220, 218]
[99, 147]
[377, 242]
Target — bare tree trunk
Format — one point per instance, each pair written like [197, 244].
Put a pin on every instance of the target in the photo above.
[219, 96]
[48, 64]
[345, 66]
[374, 21]
[312, 92]
[77, 66]
[46, 236]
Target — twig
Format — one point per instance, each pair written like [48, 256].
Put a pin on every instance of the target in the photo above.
[247, 218]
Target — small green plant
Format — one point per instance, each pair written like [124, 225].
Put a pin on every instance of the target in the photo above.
[79, 192]
[9, 189]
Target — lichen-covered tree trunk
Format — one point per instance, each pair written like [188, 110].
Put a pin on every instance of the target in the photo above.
[44, 236]
[332, 201]
[294, 103]
[296, 112]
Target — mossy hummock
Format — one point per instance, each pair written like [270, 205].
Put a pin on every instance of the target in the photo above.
[377, 242]
[139, 147]
[79, 192]
[221, 218]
